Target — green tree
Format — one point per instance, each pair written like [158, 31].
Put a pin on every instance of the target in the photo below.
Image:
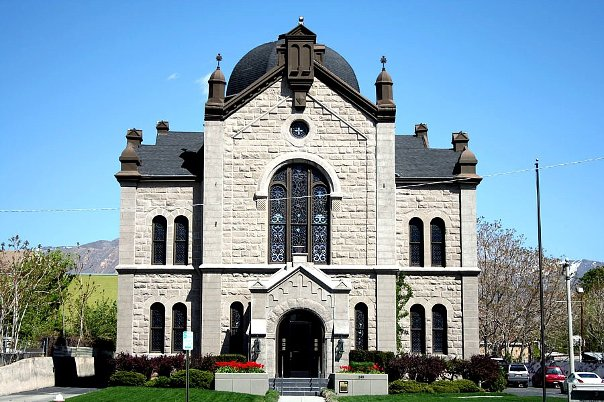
[593, 308]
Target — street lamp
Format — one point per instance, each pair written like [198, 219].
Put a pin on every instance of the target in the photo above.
[580, 290]
[571, 353]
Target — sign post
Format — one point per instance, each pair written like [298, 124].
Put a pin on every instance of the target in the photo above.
[187, 345]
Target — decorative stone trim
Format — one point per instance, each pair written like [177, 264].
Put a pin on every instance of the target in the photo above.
[286, 125]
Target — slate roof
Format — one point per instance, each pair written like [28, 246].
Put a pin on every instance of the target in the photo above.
[170, 154]
[181, 153]
[263, 58]
[412, 160]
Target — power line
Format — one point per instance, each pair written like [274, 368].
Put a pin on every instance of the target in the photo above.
[454, 180]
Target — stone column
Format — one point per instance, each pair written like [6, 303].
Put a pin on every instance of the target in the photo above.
[385, 193]
[467, 204]
[125, 289]
[471, 341]
[386, 311]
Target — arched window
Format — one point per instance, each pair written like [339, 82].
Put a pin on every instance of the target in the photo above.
[157, 328]
[439, 329]
[181, 240]
[418, 329]
[158, 256]
[179, 325]
[416, 242]
[360, 326]
[237, 328]
[299, 215]
[437, 239]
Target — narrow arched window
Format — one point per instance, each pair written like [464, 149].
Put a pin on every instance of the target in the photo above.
[437, 239]
[237, 329]
[439, 329]
[418, 329]
[360, 326]
[158, 256]
[416, 242]
[157, 328]
[299, 215]
[181, 240]
[179, 325]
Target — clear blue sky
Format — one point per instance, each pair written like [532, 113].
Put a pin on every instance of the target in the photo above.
[523, 78]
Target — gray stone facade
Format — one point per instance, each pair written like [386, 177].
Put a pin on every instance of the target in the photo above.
[219, 267]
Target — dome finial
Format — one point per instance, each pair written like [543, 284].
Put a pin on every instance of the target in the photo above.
[218, 59]
[301, 20]
[383, 61]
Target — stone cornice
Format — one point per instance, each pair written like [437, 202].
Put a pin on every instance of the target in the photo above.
[441, 271]
[154, 269]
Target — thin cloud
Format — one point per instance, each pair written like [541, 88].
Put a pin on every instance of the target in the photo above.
[203, 84]
[172, 76]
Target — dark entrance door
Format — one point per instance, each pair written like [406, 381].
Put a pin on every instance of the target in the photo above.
[300, 345]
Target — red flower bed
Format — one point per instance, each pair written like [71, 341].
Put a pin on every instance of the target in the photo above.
[238, 367]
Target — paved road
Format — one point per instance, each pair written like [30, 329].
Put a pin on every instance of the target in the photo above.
[532, 391]
[44, 394]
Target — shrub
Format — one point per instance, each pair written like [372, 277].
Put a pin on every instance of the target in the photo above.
[408, 387]
[197, 379]
[204, 363]
[484, 370]
[445, 387]
[416, 367]
[329, 395]
[139, 364]
[271, 396]
[375, 356]
[228, 357]
[126, 378]
[362, 367]
[467, 386]
[164, 365]
[159, 382]
[457, 368]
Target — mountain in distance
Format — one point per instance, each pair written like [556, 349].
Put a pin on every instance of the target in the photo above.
[586, 265]
[98, 257]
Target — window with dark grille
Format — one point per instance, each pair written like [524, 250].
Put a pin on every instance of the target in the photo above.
[237, 328]
[418, 329]
[181, 240]
[439, 329]
[299, 215]
[158, 256]
[360, 326]
[437, 239]
[157, 328]
[416, 242]
[179, 325]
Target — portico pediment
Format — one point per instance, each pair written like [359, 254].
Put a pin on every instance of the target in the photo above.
[301, 275]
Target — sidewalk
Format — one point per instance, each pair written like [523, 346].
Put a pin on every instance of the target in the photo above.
[45, 394]
[301, 399]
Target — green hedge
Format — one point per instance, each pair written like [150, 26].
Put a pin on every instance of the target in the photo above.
[127, 378]
[439, 387]
[197, 379]
[409, 387]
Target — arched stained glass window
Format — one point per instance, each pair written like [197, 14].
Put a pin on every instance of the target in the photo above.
[360, 326]
[158, 256]
[299, 215]
[181, 240]
[416, 242]
[157, 328]
[418, 329]
[437, 240]
[237, 328]
[179, 325]
[439, 329]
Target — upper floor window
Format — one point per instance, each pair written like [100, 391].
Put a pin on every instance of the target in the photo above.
[360, 326]
[157, 328]
[181, 240]
[416, 242]
[158, 253]
[179, 325]
[439, 329]
[299, 215]
[418, 329]
[437, 240]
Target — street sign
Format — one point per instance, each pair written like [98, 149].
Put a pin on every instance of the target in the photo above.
[187, 340]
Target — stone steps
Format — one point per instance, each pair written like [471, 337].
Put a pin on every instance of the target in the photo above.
[298, 386]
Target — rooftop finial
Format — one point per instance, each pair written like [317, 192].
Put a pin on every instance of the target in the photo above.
[301, 20]
[218, 59]
[383, 61]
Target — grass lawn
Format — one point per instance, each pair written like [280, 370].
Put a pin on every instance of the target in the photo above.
[105, 287]
[470, 397]
[121, 394]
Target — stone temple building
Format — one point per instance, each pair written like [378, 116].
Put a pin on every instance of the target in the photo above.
[285, 230]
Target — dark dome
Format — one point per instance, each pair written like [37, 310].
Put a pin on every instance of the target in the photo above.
[263, 58]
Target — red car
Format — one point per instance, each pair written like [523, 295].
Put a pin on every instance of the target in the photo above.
[553, 377]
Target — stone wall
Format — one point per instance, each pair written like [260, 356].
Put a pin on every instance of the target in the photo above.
[428, 291]
[340, 135]
[427, 203]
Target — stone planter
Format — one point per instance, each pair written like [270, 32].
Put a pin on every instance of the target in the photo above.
[360, 384]
[245, 383]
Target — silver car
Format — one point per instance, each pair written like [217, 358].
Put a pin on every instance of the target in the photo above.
[583, 381]
[518, 375]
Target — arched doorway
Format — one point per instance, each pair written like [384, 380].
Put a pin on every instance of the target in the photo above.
[300, 345]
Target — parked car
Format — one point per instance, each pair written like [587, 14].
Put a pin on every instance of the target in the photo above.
[553, 377]
[503, 365]
[518, 375]
[583, 381]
